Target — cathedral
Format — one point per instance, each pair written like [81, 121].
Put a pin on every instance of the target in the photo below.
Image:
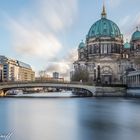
[104, 54]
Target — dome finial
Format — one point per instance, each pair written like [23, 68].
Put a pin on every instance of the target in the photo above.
[137, 28]
[103, 14]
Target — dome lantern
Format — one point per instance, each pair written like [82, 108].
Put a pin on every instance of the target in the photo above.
[103, 14]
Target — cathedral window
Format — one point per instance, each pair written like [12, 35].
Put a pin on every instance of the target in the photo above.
[109, 48]
[112, 48]
[138, 47]
[95, 49]
[90, 49]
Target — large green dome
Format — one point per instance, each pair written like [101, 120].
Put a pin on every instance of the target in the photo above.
[104, 28]
[136, 35]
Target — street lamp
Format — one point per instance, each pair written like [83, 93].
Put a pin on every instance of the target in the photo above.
[94, 73]
[98, 74]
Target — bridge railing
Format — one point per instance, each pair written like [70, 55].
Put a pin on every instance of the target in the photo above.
[51, 82]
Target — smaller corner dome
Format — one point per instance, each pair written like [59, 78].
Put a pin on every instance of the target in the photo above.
[81, 45]
[127, 45]
[136, 35]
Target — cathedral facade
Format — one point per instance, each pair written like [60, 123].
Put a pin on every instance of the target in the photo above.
[104, 53]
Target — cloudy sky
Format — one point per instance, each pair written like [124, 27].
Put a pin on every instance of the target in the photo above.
[46, 33]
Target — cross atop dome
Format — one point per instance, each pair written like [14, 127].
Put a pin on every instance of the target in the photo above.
[103, 14]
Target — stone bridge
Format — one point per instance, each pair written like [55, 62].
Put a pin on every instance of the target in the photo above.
[4, 87]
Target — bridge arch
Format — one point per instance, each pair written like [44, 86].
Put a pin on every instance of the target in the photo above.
[90, 89]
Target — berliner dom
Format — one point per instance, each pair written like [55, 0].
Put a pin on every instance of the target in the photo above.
[105, 54]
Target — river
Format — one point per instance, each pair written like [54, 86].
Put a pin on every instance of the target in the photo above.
[70, 118]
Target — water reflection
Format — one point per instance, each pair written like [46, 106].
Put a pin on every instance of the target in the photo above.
[70, 118]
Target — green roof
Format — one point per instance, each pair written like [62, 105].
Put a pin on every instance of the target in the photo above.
[127, 45]
[104, 27]
[136, 35]
[81, 45]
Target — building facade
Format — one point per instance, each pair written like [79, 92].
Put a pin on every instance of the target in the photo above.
[25, 72]
[1, 73]
[104, 53]
[14, 70]
[55, 75]
[132, 79]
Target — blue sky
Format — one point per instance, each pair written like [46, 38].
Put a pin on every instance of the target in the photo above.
[46, 33]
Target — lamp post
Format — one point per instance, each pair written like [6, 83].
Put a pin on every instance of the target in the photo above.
[98, 74]
[94, 73]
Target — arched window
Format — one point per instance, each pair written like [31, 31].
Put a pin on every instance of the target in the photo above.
[109, 48]
[138, 47]
[90, 49]
[95, 49]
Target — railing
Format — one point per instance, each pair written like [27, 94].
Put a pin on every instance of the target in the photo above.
[49, 82]
[62, 82]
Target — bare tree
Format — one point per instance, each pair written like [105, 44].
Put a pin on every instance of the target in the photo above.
[42, 74]
[80, 74]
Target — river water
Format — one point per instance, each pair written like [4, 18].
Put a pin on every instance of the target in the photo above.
[70, 118]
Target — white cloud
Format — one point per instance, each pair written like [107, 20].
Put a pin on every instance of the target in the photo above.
[128, 25]
[124, 21]
[58, 14]
[35, 35]
[114, 3]
[34, 43]
[63, 66]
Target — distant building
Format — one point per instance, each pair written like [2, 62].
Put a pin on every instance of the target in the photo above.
[55, 78]
[25, 72]
[14, 70]
[55, 75]
[48, 79]
[1, 73]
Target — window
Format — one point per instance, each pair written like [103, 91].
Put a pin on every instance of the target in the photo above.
[109, 48]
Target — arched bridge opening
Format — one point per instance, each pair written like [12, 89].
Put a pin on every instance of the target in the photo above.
[79, 90]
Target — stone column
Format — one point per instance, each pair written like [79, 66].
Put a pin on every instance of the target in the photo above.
[136, 79]
[139, 80]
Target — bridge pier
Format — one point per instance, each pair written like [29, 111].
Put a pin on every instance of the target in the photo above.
[2, 93]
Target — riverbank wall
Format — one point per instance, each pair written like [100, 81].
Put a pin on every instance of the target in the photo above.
[111, 92]
[133, 92]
